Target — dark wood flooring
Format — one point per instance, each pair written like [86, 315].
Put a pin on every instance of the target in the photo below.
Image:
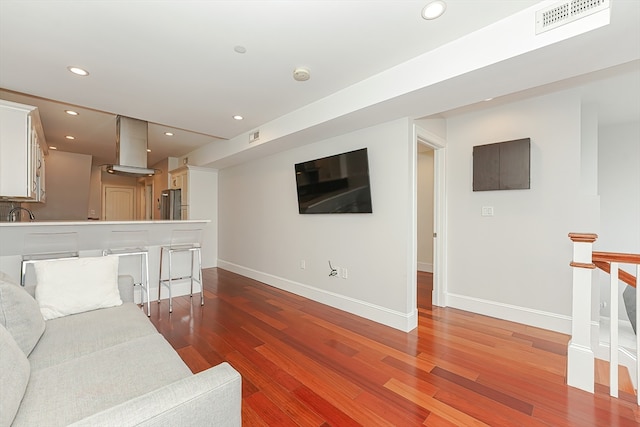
[307, 364]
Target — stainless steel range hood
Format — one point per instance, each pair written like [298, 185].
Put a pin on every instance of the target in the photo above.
[131, 148]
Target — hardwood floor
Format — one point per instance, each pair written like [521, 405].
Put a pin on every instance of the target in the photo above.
[307, 364]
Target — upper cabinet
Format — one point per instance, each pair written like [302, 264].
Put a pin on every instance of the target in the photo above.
[22, 153]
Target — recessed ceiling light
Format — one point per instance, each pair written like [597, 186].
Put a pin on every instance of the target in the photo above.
[434, 9]
[238, 117]
[51, 147]
[487, 99]
[70, 137]
[169, 133]
[148, 150]
[79, 71]
[72, 113]
[240, 49]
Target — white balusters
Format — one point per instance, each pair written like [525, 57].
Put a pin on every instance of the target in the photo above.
[613, 332]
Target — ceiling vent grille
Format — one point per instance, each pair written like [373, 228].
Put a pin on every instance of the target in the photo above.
[567, 11]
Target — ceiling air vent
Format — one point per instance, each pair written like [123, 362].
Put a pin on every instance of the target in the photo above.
[567, 11]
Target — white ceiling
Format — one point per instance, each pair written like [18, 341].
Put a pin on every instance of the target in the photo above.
[173, 63]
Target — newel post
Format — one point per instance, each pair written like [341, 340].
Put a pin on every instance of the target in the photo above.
[580, 359]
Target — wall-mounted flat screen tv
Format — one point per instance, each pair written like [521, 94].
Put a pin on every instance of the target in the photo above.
[502, 166]
[334, 184]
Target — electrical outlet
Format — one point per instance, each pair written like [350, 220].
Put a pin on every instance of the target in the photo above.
[303, 264]
[344, 273]
[487, 211]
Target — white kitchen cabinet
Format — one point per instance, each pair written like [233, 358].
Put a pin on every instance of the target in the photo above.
[22, 152]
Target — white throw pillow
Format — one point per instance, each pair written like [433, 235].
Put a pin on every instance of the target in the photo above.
[69, 286]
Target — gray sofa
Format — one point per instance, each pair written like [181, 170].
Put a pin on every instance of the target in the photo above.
[106, 367]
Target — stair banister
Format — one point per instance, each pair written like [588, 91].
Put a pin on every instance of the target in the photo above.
[580, 357]
[580, 361]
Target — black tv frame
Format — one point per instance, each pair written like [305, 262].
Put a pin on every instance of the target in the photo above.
[334, 184]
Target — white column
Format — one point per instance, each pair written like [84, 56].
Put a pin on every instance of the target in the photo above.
[580, 360]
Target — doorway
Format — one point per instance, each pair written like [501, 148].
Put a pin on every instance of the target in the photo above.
[425, 224]
[118, 203]
[431, 145]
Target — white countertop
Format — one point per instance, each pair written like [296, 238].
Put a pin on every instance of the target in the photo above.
[93, 235]
[93, 222]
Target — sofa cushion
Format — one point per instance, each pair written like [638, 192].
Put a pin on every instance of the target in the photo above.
[72, 336]
[76, 285]
[20, 315]
[70, 391]
[14, 376]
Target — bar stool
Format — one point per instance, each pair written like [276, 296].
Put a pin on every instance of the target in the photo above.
[133, 243]
[43, 246]
[182, 241]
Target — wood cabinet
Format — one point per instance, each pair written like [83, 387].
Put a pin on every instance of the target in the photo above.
[22, 153]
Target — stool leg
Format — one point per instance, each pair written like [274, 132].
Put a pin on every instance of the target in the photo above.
[145, 257]
[200, 277]
[191, 275]
[160, 279]
[170, 277]
[23, 272]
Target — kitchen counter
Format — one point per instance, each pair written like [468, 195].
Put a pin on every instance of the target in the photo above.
[95, 222]
[93, 237]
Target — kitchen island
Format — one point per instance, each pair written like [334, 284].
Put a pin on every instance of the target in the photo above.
[93, 236]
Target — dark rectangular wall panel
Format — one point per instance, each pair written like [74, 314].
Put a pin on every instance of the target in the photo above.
[502, 166]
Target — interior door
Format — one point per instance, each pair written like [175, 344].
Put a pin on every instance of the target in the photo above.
[118, 203]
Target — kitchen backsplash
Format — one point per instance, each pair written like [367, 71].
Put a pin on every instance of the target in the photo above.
[5, 207]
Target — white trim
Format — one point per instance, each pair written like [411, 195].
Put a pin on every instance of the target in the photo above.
[429, 138]
[580, 363]
[412, 230]
[395, 319]
[540, 319]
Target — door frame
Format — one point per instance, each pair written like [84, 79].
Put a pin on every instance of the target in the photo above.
[438, 144]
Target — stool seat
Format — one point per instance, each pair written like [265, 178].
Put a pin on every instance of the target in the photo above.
[133, 243]
[182, 241]
[45, 246]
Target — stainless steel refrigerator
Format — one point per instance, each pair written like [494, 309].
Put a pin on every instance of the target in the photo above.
[170, 204]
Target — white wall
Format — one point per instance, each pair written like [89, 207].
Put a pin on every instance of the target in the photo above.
[67, 187]
[619, 188]
[515, 265]
[203, 204]
[425, 210]
[261, 234]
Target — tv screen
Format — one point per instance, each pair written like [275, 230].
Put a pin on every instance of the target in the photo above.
[334, 184]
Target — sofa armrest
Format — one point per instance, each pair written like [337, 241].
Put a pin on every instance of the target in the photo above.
[211, 397]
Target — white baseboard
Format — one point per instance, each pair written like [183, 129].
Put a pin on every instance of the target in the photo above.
[395, 319]
[425, 266]
[512, 313]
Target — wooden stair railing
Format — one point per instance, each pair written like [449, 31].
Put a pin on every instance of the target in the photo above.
[580, 353]
[603, 261]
